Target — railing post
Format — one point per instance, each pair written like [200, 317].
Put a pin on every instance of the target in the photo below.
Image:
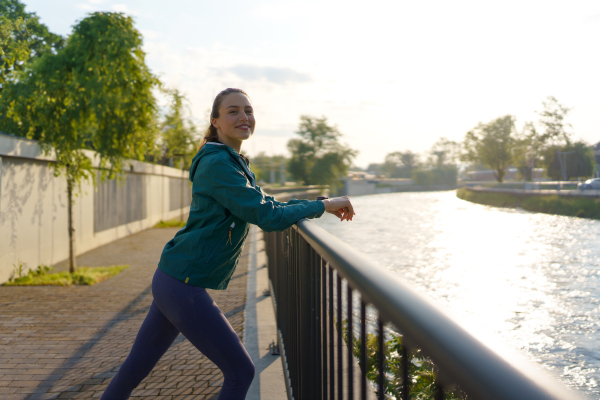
[331, 337]
[324, 327]
[381, 359]
[350, 345]
[363, 350]
[340, 340]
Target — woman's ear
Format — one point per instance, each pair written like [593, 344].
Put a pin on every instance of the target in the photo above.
[214, 122]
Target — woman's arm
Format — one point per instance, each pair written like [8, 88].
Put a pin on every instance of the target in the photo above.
[229, 186]
[279, 203]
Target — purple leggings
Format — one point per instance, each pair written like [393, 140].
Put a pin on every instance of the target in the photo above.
[179, 307]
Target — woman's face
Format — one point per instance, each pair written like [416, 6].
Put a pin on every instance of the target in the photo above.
[236, 118]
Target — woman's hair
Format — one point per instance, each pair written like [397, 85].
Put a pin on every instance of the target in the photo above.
[211, 132]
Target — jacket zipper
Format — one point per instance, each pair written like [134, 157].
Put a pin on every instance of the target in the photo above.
[212, 255]
[230, 230]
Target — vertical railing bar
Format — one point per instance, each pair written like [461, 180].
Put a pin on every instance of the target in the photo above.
[439, 392]
[363, 350]
[350, 345]
[317, 325]
[381, 359]
[340, 360]
[331, 338]
[405, 372]
[324, 326]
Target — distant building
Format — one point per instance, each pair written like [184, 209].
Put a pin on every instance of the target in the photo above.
[511, 175]
[360, 183]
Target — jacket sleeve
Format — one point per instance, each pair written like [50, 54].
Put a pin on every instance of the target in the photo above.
[278, 203]
[230, 188]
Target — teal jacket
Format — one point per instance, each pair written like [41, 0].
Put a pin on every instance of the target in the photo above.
[225, 200]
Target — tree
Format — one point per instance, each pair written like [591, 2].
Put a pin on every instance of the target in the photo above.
[269, 169]
[22, 30]
[444, 152]
[491, 145]
[528, 148]
[95, 93]
[580, 161]
[318, 158]
[400, 164]
[179, 135]
[552, 120]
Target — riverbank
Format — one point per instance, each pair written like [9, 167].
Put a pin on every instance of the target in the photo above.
[582, 207]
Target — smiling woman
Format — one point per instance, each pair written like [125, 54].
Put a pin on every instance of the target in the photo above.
[204, 253]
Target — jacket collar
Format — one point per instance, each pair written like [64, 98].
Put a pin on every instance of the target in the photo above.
[236, 156]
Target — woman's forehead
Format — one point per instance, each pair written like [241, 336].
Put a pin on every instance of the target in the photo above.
[236, 100]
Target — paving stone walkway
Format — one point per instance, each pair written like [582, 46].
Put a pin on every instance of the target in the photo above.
[68, 342]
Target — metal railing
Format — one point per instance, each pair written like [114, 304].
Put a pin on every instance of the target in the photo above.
[323, 291]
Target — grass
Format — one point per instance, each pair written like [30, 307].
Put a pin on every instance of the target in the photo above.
[580, 207]
[43, 275]
[174, 223]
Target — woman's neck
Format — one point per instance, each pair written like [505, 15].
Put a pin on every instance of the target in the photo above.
[233, 143]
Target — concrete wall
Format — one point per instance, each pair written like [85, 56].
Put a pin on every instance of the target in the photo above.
[33, 206]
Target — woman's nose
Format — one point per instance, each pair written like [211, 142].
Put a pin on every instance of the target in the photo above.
[243, 116]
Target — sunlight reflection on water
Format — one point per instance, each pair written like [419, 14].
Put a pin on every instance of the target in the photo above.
[529, 280]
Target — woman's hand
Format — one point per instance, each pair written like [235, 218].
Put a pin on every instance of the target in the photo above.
[340, 207]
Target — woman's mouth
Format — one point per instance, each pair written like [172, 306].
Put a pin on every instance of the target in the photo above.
[244, 127]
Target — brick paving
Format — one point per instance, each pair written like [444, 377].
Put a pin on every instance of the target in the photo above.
[68, 342]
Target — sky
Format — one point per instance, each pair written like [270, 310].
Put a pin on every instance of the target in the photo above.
[391, 75]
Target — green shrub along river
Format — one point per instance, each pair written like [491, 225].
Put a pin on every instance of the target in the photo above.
[582, 207]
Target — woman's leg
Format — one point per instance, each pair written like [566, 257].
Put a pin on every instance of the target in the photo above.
[154, 338]
[197, 317]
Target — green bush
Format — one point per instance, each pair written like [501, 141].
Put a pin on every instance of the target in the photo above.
[421, 370]
[445, 175]
[575, 206]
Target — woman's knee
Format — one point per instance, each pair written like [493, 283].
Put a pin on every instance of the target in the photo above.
[245, 372]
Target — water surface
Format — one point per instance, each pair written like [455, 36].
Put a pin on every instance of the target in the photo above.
[526, 279]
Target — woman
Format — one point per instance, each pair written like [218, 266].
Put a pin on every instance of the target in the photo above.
[203, 255]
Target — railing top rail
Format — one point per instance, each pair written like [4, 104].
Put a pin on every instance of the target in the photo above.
[461, 358]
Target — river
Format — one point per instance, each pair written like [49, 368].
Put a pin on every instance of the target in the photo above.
[528, 280]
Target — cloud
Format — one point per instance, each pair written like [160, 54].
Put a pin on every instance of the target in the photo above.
[593, 17]
[85, 7]
[149, 34]
[278, 75]
[123, 8]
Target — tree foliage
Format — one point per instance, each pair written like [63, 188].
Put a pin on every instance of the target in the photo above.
[444, 152]
[95, 93]
[423, 385]
[179, 135]
[400, 164]
[580, 161]
[262, 165]
[555, 130]
[22, 36]
[318, 158]
[491, 145]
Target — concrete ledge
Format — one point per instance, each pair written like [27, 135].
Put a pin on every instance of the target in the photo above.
[260, 328]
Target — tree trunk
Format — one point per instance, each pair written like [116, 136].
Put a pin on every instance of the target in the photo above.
[72, 260]
[500, 173]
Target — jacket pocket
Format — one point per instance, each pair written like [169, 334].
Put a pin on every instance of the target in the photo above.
[222, 244]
